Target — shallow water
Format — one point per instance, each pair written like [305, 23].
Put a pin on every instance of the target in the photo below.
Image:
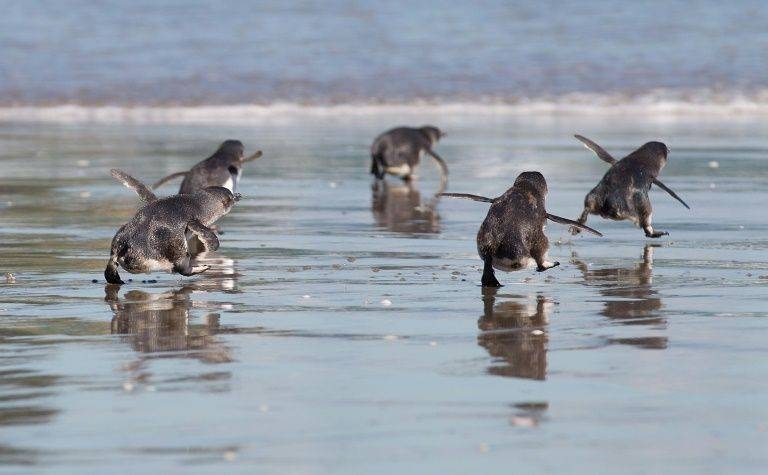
[344, 331]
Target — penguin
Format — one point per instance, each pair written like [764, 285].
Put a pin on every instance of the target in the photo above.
[398, 151]
[156, 237]
[622, 194]
[223, 168]
[512, 234]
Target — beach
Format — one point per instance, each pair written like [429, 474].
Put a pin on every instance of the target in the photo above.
[341, 327]
[344, 330]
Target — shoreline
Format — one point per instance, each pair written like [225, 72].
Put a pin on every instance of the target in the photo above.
[202, 114]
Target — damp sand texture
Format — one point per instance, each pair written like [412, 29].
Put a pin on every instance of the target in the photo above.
[344, 331]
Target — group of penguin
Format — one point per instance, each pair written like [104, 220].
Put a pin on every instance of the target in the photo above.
[168, 233]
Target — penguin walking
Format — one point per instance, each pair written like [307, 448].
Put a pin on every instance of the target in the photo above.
[223, 168]
[156, 237]
[512, 234]
[622, 194]
[398, 151]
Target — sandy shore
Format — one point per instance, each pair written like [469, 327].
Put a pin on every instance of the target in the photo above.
[344, 331]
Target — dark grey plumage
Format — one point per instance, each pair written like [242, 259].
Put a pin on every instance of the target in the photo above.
[512, 233]
[622, 194]
[223, 168]
[156, 237]
[398, 151]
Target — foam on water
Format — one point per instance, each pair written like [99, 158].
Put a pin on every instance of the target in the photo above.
[660, 104]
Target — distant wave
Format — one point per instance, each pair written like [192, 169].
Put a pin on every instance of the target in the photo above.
[657, 102]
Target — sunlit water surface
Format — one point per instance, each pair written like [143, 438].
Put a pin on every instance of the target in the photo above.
[344, 331]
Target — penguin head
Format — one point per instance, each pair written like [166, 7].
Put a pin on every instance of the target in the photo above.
[532, 180]
[653, 154]
[219, 200]
[433, 133]
[231, 150]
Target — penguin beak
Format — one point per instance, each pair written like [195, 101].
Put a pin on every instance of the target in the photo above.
[238, 196]
[442, 134]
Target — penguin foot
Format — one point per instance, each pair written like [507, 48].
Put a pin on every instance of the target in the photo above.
[111, 275]
[491, 283]
[547, 267]
[489, 280]
[656, 234]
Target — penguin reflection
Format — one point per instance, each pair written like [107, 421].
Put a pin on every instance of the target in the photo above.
[156, 323]
[399, 208]
[509, 334]
[630, 297]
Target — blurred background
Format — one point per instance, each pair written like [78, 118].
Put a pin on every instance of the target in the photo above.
[333, 52]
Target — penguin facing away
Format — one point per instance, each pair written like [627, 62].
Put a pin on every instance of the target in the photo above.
[622, 193]
[512, 234]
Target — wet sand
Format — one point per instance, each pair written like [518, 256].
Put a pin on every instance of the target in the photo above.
[343, 329]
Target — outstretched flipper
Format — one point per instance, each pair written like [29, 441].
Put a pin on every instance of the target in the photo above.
[468, 196]
[570, 222]
[442, 165]
[668, 190]
[253, 156]
[599, 151]
[165, 180]
[130, 182]
[204, 234]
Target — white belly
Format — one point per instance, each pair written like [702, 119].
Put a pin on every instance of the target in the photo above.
[230, 184]
[401, 171]
[154, 265]
[508, 265]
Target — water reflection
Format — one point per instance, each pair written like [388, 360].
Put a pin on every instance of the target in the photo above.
[25, 397]
[160, 323]
[528, 414]
[514, 334]
[630, 297]
[399, 208]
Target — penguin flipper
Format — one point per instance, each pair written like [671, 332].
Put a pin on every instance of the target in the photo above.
[570, 222]
[468, 196]
[168, 178]
[599, 151]
[669, 190]
[252, 157]
[130, 182]
[204, 234]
